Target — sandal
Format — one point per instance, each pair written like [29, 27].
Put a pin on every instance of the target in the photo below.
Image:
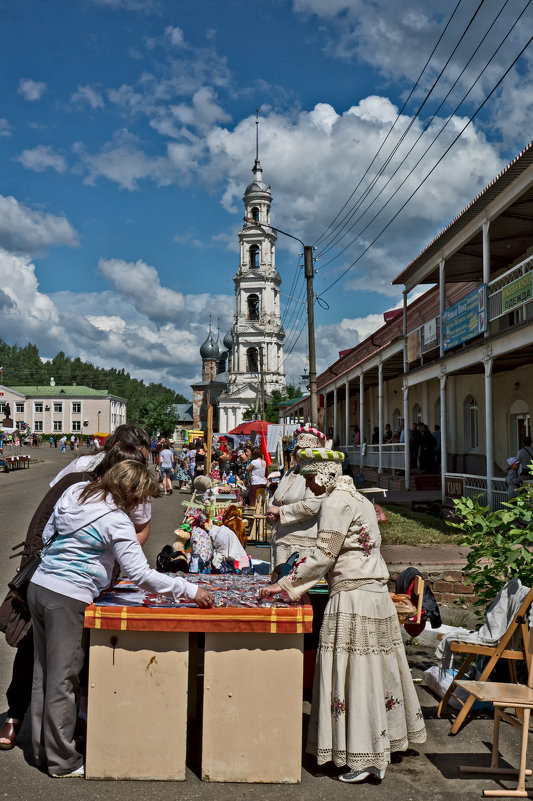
[9, 732]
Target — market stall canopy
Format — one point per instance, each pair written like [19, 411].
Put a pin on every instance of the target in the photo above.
[259, 426]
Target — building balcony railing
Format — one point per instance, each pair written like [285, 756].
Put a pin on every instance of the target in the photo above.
[392, 455]
[470, 486]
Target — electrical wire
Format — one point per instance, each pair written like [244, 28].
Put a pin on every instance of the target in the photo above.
[348, 217]
[443, 127]
[392, 126]
[413, 193]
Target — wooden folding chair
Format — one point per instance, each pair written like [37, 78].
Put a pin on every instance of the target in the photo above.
[502, 695]
[519, 625]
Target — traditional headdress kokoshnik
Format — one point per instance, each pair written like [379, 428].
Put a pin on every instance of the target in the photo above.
[309, 437]
[324, 464]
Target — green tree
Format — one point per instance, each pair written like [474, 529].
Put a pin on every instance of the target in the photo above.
[158, 416]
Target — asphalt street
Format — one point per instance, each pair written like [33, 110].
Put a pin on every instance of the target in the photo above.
[429, 773]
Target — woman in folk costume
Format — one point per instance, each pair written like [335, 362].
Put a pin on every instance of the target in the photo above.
[364, 701]
[294, 508]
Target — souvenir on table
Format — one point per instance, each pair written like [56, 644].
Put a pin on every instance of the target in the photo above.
[201, 551]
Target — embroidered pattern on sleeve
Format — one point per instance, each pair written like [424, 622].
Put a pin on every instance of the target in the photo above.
[330, 542]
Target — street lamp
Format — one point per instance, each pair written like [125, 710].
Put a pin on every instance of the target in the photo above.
[98, 415]
[308, 268]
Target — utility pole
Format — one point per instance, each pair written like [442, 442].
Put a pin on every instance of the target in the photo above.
[262, 383]
[309, 273]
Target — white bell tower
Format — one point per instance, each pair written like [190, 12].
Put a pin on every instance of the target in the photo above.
[257, 334]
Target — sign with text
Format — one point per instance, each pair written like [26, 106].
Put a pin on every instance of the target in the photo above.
[465, 319]
[517, 292]
[430, 332]
[454, 486]
[413, 346]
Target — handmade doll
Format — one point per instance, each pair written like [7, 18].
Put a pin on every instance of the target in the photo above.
[232, 518]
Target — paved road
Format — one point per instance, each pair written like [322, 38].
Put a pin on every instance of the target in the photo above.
[432, 774]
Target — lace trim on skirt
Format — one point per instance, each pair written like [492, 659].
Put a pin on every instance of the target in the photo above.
[351, 633]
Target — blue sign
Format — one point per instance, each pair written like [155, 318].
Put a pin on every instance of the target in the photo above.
[465, 319]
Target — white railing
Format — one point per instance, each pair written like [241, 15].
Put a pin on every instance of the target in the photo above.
[476, 487]
[495, 288]
[392, 455]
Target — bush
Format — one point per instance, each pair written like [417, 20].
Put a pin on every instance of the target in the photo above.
[499, 543]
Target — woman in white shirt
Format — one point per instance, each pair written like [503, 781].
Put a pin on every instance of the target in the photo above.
[93, 529]
[256, 474]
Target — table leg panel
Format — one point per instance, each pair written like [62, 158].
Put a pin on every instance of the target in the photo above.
[137, 706]
[252, 714]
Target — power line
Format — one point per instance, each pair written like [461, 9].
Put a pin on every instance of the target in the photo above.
[349, 216]
[413, 193]
[443, 127]
[393, 124]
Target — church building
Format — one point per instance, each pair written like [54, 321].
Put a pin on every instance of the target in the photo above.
[255, 343]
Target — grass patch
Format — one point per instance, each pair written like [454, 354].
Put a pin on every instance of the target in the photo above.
[406, 527]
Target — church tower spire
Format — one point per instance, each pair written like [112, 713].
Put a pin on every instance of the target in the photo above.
[257, 334]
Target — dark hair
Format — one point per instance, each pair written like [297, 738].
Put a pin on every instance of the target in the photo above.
[256, 454]
[128, 434]
[527, 441]
[119, 453]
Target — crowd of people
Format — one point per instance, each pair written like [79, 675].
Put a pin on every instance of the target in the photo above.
[96, 517]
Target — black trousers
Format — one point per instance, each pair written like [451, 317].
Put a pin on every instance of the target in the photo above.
[19, 691]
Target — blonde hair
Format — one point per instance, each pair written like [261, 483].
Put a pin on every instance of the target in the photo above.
[129, 483]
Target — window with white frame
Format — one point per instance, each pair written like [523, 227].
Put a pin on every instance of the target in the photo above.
[58, 408]
[20, 425]
[76, 407]
[76, 425]
[2, 407]
[38, 407]
[470, 413]
[38, 425]
[19, 408]
[58, 425]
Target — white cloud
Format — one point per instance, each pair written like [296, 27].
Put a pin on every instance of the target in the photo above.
[5, 127]
[24, 230]
[175, 36]
[31, 90]
[140, 283]
[122, 161]
[138, 337]
[41, 158]
[88, 95]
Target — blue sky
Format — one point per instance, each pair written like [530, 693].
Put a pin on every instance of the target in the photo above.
[127, 132]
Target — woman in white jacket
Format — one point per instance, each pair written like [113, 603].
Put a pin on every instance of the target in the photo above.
[93, 529]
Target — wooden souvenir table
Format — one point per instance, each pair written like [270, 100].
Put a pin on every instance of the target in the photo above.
[252, 694]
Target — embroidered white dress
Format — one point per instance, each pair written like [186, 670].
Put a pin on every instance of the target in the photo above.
[296, 528]
[364, 702]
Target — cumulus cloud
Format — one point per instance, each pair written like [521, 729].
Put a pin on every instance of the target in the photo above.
[88, 95]
[25, 230]
[41, 158]
[148, 343]
[123, 161]
[5, 127]
[31, 90]
[140, 283]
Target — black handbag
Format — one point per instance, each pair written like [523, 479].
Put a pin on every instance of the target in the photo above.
[20, 582]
